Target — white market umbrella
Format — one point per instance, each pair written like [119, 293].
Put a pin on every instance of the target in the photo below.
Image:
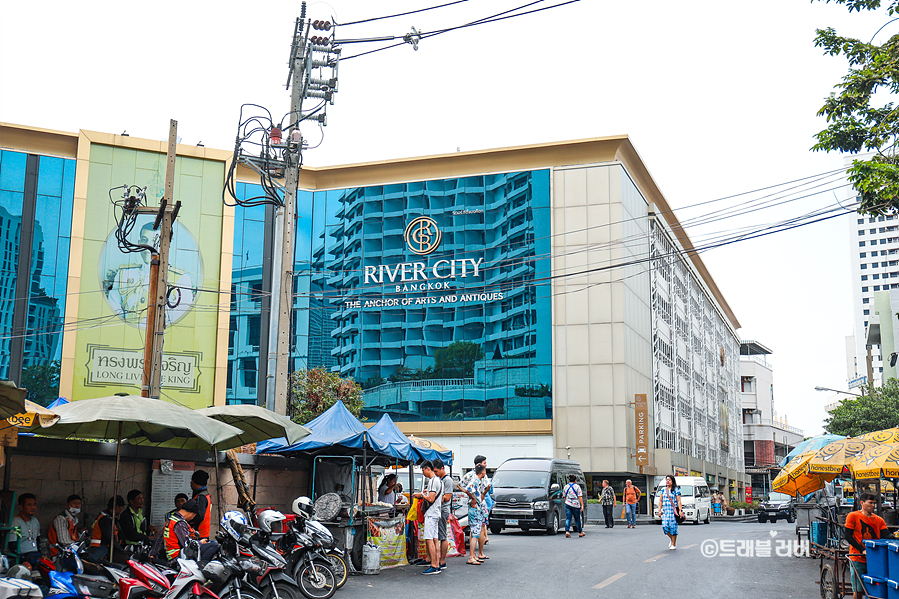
[257, 423]
[140, 421]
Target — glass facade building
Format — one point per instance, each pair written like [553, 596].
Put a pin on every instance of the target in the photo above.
[506, 302]
[36, 197]
[446, 321]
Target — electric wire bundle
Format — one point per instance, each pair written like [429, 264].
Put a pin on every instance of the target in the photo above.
[127, 206]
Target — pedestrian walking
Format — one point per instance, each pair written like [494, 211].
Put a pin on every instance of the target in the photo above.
[432, 494]
[476, 517]
[574, 505]
[609, 502]
[483, 488]
[669, 509]
[861, 526]
[631, 498]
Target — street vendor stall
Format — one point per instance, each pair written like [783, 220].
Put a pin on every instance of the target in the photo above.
[872, 461]
[388, 438]
[342, 451]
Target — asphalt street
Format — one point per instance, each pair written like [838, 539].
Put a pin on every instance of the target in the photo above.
[618, 562]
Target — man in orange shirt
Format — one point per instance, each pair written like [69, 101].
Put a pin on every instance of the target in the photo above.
[861, 526]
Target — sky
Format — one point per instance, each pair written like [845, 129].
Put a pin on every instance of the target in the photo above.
[719, 98]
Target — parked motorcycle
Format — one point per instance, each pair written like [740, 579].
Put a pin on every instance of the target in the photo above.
[156, 577]
[271, 577]
[190, 583]
[231, 575]
[73, 582]
[326, 544]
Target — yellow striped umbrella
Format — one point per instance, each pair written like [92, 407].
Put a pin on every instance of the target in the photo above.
[887, 435]
[881, 461]
[831, 458]
[796, 478]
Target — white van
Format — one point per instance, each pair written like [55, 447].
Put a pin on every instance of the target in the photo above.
[695, 498]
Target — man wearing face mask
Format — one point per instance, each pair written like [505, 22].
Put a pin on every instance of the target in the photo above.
[66, 526]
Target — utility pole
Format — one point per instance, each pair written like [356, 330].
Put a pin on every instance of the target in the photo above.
[166, 214]
[870, 362]
[303, 85]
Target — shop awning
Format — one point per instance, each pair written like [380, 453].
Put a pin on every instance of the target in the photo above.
[386, 438]
[335, 427]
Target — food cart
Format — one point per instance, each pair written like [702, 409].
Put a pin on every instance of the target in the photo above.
[342, 452]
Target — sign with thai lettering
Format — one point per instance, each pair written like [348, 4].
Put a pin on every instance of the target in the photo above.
[642, 422]
[111, 365]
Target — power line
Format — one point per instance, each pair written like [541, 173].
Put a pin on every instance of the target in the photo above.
[400, 14]
[491, 19]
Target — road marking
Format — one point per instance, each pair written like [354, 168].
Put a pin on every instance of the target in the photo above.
[609, 580]
[659, 556]
[688, 546]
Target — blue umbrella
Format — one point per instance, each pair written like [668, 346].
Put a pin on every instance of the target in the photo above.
[812, 444]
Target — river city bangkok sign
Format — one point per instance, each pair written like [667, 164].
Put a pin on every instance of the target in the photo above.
[422, 237]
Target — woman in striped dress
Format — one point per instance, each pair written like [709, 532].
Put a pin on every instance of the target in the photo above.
[670, 505]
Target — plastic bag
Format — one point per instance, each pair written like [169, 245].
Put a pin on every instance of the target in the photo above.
[458, 535]
[412, 515]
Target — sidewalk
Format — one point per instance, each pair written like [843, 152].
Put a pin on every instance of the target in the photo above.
[647, 519]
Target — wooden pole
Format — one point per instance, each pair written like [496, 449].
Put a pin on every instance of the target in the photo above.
[150, 327]
[165, 240]
[218, 481]
[115, 491]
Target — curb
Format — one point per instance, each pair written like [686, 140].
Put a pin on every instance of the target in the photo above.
[646, 521]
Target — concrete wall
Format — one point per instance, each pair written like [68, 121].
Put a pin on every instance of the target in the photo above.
[601, 325]
[54, 469]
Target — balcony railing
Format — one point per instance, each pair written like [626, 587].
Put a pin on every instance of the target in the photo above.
[775, 424]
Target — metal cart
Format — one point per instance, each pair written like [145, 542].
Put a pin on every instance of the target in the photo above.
[805, 515]
[834, 572]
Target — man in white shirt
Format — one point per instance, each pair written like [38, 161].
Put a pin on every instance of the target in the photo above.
[433, 494]
[29, 529]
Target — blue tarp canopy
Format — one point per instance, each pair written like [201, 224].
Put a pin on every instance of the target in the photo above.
[335, 427]
[386, 438]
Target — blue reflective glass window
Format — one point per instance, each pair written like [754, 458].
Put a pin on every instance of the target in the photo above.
[246, 299]
[12, 188]
[460, 330]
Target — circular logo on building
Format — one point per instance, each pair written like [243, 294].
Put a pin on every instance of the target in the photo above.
[125, 278]
[422, 235]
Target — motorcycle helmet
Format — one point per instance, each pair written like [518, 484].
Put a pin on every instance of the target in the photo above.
[229, 519]
[302, 506]
[268, 518]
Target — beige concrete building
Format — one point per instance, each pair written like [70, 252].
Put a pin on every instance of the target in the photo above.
[591, 300]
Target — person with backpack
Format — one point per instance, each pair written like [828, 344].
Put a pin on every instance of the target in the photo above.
[574, 505]
[631, 498]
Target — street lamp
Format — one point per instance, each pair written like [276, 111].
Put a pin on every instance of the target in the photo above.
[837, 391]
